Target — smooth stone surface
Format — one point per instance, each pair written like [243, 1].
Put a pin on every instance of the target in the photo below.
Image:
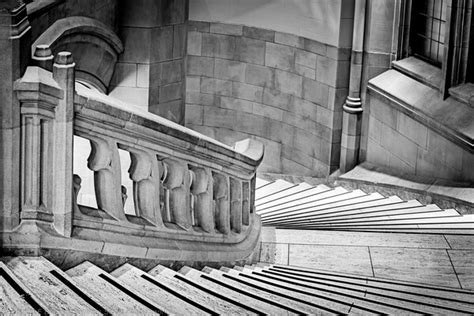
[417, 265]
[463, 262]
[331, 258]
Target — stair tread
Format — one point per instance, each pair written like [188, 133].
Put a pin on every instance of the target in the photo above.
[11, 302]
[272, 188]
[299, 188]
[34, 272]
[166, 276]
[87, 276]
[131, 276]
[196, 276]
[273, 296]
[334, 299]
[379, 292]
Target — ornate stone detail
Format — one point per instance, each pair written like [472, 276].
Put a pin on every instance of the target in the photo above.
[221, 202]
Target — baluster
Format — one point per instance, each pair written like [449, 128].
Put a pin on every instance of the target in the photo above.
[246, 203]
[221, 202]
[177, 182]
[202, 190]
[76, 187]
[145, 174]
[105, 162]
[235, 205]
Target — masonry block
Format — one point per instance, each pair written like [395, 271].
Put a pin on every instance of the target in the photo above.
[199, 26]
[258, 33]
[413, 130]
[179, 41]
[288, 82]
[137, 45]
[247, 92]
[305, 71]
[194, 114]
[267, 111]
[193, 84]
[305, 58]
[227, 29]
[143, 75]
[171, 71]
[162, 44]
[304, 108]
[173, 11]
[280, 56]
[216, 86]
[230, 69]
[326, 71]
[200, 66]
[250, 50]
[194, 43]
[124, 75]
[289, 39]
[217, 45]
[237, 104]
[315, 91]
[277, 98]
[315, 47]
[259, 75]
[171, 92]
[383, 112]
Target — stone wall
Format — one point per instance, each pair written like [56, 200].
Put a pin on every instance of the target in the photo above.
[284, 90]
[325, 21]
[150, 72]
[397, 141]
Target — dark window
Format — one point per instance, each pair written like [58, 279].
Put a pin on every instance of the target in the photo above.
[428, 23]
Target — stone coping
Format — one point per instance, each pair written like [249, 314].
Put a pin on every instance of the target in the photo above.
[450, 118]
[122, 113]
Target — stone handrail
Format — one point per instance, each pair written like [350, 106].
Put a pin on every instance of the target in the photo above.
[192, 195]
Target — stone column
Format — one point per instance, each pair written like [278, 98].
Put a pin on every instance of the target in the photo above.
[352, 115]
[63, 74]
[14, 36]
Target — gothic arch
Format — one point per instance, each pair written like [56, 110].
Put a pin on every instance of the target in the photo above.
[94, 46]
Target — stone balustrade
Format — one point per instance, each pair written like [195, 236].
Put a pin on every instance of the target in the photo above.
[191, 194]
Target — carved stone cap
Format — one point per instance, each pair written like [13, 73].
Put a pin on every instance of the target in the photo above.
[38, 80]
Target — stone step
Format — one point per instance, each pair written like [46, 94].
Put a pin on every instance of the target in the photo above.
[95, 281]
[15, 297]
[347, 208]
[258, 304]
[300, 188]
[324, 198]
[334, 299]
[57, 291]
[195, 293]
[370, 213]
[297, 196]
[424, 212]
[464, 297]
[364, 204]
[438, 304]
[272, 188]
[260, 183]
[288, 301]
[160, 297]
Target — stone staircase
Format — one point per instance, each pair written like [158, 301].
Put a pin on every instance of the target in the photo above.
[34, 285]
[283, 204]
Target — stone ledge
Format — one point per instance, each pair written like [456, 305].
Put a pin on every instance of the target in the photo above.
[452, 119]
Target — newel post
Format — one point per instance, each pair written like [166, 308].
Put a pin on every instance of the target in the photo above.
[63, 74]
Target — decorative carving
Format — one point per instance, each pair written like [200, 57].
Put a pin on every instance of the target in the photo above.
[177, 183]
[246, 203]
[235, 205]
[145, 174]
[202, 191]
[123, 191]
[105, 162]
[221, 202]
[76, 187]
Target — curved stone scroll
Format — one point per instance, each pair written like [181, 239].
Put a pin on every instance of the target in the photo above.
[104, 160]
[235, 205]
[178, 200]
[221, 202]
[145, 174]
[201, 188]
